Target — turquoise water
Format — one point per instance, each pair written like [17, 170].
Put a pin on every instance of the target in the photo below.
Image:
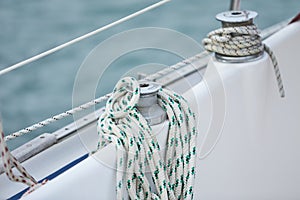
[44, 88]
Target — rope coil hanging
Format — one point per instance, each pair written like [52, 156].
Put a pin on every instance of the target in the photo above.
[138, 149]
[239, 41]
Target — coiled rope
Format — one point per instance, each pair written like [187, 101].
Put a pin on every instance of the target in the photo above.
[138, 149]
[241, 41]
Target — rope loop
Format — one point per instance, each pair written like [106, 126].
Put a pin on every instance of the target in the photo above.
[125, 96]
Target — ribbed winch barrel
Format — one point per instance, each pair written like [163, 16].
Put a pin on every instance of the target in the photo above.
[148, 104]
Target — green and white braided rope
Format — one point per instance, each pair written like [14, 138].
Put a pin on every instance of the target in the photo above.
[139, 151]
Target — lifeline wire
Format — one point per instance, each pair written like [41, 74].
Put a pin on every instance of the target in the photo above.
[138, 149]
[241, 41]
[108, 26]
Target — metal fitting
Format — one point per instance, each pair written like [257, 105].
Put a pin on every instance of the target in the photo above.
[148, 103]
[236, 18]
[235, 5]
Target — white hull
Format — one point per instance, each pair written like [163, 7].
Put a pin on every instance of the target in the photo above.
[257, 154]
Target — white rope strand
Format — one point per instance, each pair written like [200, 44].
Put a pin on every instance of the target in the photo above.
[241, 41]
[175, 67]
[108, 26]
[276, 69]
[57, 117]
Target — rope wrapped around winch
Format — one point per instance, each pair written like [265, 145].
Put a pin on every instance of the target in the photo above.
[138, 149]
[241, 41]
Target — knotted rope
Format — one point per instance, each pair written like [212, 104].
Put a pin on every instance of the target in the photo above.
[139, 150]
[9, 161]
[241, 41]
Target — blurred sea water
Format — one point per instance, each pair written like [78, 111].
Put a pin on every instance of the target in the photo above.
[44, 88]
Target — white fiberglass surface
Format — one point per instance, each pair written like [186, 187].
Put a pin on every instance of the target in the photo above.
[257, 154]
